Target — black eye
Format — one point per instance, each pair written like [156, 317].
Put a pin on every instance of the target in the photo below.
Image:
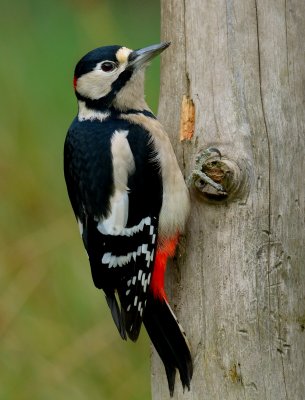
[108, 66]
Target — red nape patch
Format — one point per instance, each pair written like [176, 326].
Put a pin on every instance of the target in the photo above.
[167, 249]
[74, 82]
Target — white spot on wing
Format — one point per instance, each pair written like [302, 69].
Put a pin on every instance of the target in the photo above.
[135, 301]
[147, 221]
[106, 258]
[116, 261]
[80, 226]
[134, 229]
[112, 262]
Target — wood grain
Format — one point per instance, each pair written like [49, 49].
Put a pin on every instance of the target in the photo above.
[237, 285]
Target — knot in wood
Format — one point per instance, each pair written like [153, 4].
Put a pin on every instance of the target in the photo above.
[216, 178]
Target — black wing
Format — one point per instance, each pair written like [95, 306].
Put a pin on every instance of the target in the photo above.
[120, 263]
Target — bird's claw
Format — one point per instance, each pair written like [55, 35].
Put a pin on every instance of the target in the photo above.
[198, 178]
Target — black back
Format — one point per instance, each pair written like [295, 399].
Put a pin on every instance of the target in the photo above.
[89, 179]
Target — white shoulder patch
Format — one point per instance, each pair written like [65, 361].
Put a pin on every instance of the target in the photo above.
[122, 159]
[123, 166]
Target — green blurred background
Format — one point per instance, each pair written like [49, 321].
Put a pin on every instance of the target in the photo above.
[57, 337]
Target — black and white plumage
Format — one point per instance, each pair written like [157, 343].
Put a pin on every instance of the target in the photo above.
[129, 197]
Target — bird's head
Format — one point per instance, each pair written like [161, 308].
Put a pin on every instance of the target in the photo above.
[113, 76]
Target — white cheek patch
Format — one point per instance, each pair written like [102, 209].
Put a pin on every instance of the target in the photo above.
[97, 83]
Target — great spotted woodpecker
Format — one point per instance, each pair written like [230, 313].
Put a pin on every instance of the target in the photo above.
[129, 197]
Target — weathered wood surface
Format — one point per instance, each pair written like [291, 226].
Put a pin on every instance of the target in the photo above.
[238, 284]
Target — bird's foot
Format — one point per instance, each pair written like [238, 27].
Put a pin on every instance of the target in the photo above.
[206, 173]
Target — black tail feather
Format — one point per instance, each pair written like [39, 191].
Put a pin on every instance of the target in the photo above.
[169, 340]
[117, 315]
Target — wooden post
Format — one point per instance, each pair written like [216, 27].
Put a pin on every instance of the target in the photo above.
[237, 284]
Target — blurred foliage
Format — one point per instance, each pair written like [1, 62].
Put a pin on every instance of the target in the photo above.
[57, 337]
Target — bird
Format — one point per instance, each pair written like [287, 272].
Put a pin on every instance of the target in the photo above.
[129, 198]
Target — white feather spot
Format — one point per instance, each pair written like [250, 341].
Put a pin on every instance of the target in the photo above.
[134, 280]
[128, 308]
[139, 306]
[153, 239]
[139, 274]
[127, 292]
[144, 248]
[112, 262]
[151, 230]
[147, 221]
[115, 261]
[129, 282]
[143, 279]
[134, 229]
[106, 258]
[135, 301]
[148, 278]
[147, 257]
[80, 227]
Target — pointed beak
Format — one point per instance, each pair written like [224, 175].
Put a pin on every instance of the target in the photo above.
[140, 58]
